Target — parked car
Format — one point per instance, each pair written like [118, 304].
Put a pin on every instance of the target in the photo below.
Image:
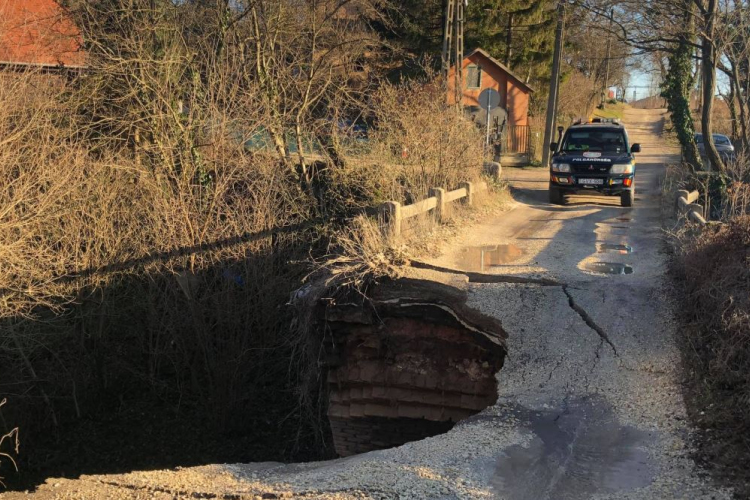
[594, 157]
[723, 146]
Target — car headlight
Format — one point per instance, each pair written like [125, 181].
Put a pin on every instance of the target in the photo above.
[561, 167]
[624, 168]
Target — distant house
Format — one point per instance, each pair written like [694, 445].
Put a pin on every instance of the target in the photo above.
[38, 34]
[510, 121]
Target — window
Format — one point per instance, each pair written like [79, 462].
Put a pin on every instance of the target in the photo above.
[721, 140]
[473, 76]
[595, 140]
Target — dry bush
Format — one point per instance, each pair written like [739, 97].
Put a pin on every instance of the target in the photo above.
[736, 201]
[11, 438]
[715, 267]
[123, 282]
[578, 95]
[146, 256]
[421, 142]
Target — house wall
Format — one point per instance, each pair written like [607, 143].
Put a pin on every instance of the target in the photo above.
[518, 105]
[37, 32]
[513, 97]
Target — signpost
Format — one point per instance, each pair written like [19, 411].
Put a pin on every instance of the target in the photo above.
[488, 99]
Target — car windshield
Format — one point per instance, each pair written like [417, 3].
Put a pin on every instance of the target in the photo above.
[721, 140]
[596, 140]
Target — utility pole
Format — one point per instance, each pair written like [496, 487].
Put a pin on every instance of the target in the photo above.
[509, 40]
[605, 85]
[458, 23]
[453, 44]
[554, 86]
[448, 36]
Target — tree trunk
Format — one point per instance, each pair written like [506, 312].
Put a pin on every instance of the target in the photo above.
[736, 83]
[708, 72]
[731, 101]
[677, 90]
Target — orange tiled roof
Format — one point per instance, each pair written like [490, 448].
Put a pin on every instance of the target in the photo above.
[38, 32]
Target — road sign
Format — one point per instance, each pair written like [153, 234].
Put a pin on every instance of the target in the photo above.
[489, 99]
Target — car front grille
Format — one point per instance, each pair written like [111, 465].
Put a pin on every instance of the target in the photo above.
[590, 168]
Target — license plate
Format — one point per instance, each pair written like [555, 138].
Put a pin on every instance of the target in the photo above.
[591, 182]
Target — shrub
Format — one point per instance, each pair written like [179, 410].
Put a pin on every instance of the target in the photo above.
[716, 270]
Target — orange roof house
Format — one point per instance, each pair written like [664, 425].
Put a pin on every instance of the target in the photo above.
[482, 71]
[38, 33]
[509, 122]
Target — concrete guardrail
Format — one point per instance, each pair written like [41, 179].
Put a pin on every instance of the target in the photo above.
[393, 213]
[687, 206]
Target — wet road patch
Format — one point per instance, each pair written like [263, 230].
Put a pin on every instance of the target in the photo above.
[575, 452]
[608, 268]
[612, 248]
[484, 257]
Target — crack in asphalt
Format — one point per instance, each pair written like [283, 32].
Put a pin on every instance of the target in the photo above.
[587, 319]
[483, 278]
[557, 365]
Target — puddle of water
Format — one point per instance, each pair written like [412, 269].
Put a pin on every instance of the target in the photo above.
[608, 268]
[612, 248]
[577, 452]
[483, 258]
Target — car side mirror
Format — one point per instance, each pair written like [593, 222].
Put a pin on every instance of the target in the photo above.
[635, 148]
[553, 147]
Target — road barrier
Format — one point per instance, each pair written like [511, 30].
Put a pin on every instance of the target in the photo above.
[687, 206]
[393, 213]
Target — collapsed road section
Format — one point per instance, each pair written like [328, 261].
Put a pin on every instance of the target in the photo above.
[406, 362]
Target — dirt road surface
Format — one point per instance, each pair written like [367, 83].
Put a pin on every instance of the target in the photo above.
[590, 402]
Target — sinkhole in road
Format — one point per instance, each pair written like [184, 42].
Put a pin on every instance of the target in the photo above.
[407, 363]
[483, 258]
[608, 268]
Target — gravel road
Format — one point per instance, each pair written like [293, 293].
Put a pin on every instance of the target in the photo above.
[590, 401]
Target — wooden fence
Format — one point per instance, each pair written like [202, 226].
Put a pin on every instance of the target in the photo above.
[393, 213]
[515, 140]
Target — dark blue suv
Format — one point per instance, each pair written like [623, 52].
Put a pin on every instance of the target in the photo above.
[594, 157]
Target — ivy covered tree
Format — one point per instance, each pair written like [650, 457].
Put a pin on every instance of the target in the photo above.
[676, 89]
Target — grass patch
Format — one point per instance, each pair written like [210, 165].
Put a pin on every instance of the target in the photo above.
[612, 111]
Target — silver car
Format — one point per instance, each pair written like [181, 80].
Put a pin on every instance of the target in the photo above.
[723, 146]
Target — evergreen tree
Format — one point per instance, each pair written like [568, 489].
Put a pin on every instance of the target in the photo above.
[519, 33]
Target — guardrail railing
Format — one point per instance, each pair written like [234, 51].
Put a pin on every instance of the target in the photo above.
[393, 213]
[687, 206]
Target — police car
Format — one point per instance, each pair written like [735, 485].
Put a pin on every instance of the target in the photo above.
[594, 157]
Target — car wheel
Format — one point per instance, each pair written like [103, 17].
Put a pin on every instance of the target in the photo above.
[555, 196]
[627, 198]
